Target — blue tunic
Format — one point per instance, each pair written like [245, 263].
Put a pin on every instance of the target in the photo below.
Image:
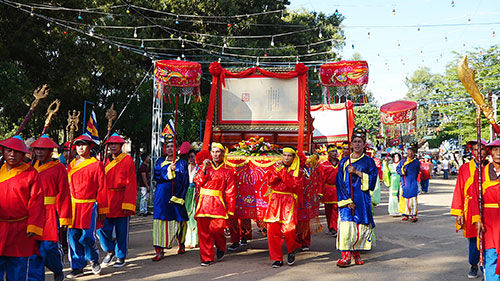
[163, 208]
[409, 174]
[362, 213]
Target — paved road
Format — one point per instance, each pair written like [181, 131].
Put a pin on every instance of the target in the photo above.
[427, 250]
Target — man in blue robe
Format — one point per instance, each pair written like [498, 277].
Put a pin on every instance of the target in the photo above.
[170, 216]
[354, 201]
[408, 169]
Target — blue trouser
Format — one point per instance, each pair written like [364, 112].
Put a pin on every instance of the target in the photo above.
[82, 244]
[445, 174]
[424, 185]
[490, 264]
[120, 226]
[14, 268]
[51, 254]
[473, 251]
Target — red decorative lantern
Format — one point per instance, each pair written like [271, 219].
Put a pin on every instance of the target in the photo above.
[344, 73]
[345, 78]
[179, 78]
[399, 117]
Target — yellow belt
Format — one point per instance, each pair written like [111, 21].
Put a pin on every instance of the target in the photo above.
[83, 200]
[285, 193]
[329, 185]
[117, 189]
[49, 200]
[491, 205]
[210, 192]
[14, 220]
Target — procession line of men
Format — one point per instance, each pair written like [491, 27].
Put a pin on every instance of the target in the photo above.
[42, 198]
[92, 197]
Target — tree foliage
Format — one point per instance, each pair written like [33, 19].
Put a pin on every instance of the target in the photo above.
[79, 67]
[445, 108]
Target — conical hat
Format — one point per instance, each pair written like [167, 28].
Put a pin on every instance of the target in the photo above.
[44, 142]
[16, 143]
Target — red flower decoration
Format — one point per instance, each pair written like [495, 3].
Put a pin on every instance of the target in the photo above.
[301, 68]
[215, 68]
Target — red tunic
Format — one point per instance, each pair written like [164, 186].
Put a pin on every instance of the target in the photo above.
[86, 182]
[217, 194]
[21, 210]
[328, 176]
[121, 186]
[283, 198]
[491, 211]
[465, 186]
[57, 200]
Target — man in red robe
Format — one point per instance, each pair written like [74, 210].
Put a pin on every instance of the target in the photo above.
[22, 213]
[285, 182]
[121, 189]
[467, 183]
[328, 177]
[217, 195]
[489, 221]
[54, 180]
[89, 203]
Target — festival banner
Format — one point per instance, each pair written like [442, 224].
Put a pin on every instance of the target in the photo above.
[91, 129]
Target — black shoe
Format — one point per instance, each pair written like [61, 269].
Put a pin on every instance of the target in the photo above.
[473, 272]
[59, 276]
[220, 255]
[334, 234]
[205, 263]
[75, 273]
[107, 259]
[96, 268]
[277, 264]
[234, 247]
[119, 263]
[291, 258]
[243, 242]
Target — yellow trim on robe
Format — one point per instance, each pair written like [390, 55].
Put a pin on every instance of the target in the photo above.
[65, 221]
[346, 164]
[365, 182]
[128, 206]
[476, 218]
[35, 229]
[285, 193]
[491, 205]
[6, 175]
[456, 212]
[83, 164]
[177, 200]
[45, 166]
[343, 203]
[103, 211]
[114, 162]
[49, 200]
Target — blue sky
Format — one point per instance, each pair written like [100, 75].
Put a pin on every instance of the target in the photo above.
[432, 46]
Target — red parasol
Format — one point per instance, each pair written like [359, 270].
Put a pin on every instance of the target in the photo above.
[181, 75]
[399, 112]
[178, 78]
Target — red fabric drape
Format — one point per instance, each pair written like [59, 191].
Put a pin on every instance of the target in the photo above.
[219, 74]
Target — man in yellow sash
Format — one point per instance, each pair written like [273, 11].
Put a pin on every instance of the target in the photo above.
[217, 200]
[89, 203]
[57, 200]
[22, 213]
[121, 188]
[285, 182]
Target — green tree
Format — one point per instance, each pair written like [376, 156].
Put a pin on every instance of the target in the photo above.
[81, 67]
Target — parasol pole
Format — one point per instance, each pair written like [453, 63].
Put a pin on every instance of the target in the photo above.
[175, 135]
[480, 183]
[349, 147]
